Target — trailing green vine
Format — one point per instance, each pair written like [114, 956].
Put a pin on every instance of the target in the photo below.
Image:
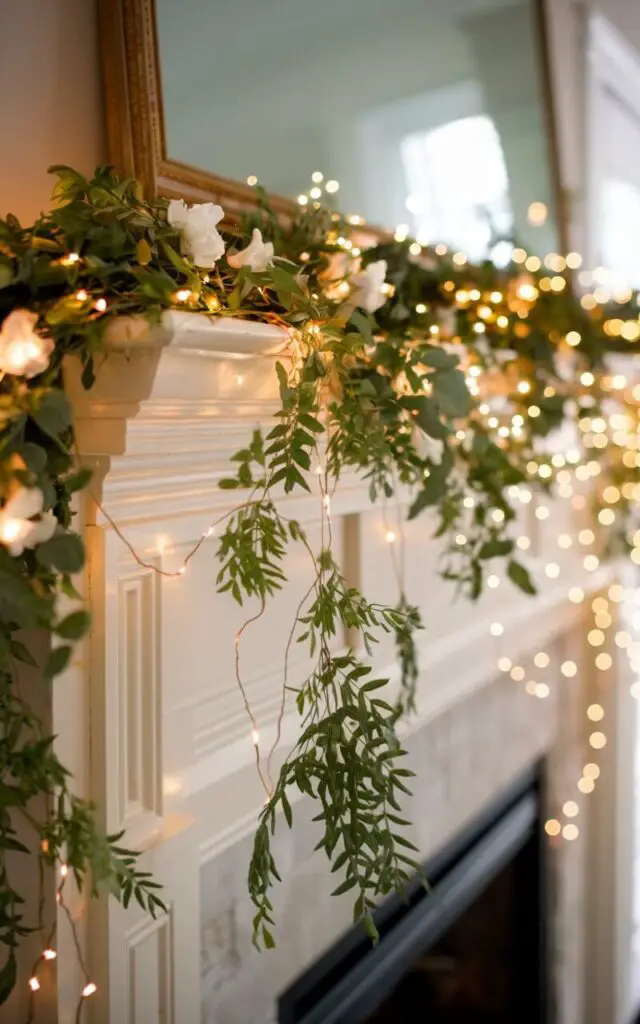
[414, 369]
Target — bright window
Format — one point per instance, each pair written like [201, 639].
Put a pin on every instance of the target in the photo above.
[457, 184]
[620, 230]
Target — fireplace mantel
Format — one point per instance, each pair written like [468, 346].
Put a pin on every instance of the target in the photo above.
[168, 754]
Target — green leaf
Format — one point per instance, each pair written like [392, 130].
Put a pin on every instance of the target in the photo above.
[8, 977]
[427, 416]
[21, 653]
[78, 481]
[52, 414]
[57, 661]
[520, 576]
[495, 548]
[438, 357]
[451, 392]
[362, 323]
[433, 490]
[34, 456]
[64, 552]
[74, 626]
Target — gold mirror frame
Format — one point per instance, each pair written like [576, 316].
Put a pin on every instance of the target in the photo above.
[135, 115]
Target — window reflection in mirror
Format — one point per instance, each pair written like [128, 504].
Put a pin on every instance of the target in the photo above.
[426, 113]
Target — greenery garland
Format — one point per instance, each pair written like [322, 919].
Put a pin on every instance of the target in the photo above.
[409, 365]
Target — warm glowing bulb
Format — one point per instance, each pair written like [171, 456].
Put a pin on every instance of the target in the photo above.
[541, 660]
[255, 737]
[595, 712]
[11, 529]
[569, 669]
[504, 664]
[390, 537]
[552, 827]
[570, 832]
[571, 809]
[552, 570]
[64, 870]
[591, 771]
[49, 954]
[89, 990]
[493, 581]
[332, 185]
[598, 740]
[496, 629]
[82, 295]
[100, 305]
[537, 214]
[576, 595]
[586, 785]
[34, 984]
[603, 661]
[183, 294]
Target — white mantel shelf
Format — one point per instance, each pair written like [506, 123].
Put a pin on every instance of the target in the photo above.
[170, 754]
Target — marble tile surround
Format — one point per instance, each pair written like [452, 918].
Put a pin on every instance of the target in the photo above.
[463, 759]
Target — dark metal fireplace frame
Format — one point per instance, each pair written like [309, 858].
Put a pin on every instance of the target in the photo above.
[353, 977]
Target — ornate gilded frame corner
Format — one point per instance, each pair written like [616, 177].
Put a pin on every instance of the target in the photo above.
[135, 114]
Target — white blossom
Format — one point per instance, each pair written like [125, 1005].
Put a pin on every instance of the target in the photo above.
[258, 255]
[18, 528]
[200, 239]
[23, 351]
[432, 449]
[368, 286]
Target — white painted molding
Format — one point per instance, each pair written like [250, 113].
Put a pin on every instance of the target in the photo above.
[170, 749]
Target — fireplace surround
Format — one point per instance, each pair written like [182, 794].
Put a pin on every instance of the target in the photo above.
[467, 948]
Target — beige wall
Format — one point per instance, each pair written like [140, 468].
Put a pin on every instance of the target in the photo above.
[51, 107]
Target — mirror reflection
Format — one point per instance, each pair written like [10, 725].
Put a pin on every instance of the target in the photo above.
[423, 113]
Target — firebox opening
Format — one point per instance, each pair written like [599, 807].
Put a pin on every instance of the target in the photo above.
[468, 951]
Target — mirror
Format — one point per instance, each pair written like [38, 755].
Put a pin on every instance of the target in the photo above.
[426, 113]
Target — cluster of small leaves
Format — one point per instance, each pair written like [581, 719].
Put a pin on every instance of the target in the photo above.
[405, 636]
[32, 774]
[345, 758]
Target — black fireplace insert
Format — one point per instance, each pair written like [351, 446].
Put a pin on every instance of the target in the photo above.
[469, 950]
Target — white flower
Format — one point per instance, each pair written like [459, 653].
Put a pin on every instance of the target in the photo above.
[258, 255]
[432, 449]
[200, 238]
[369, 283]
[23, 352]
[18, 530]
